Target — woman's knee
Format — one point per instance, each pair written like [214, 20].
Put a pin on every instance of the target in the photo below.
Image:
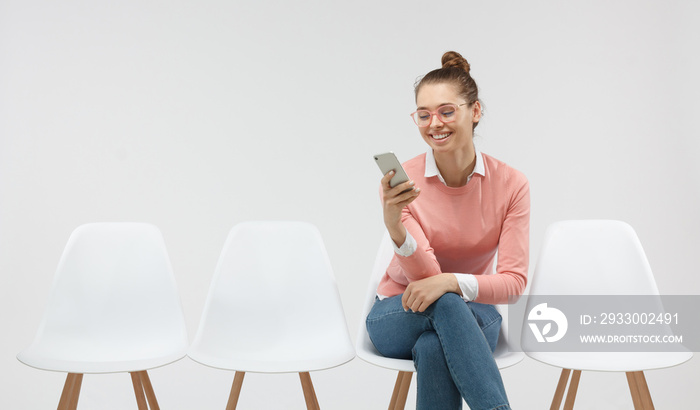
[392, 330]
[450, 301]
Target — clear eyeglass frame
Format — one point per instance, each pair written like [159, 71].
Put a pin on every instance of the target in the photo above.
[423, 118]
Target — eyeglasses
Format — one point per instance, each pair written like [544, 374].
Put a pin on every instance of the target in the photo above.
[446, 113]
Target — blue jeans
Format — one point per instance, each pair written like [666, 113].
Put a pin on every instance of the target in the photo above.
[451, 345]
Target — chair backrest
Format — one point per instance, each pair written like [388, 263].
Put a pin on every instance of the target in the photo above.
[505, 354]
[592, 257]
[596, 257]
[114, 304]
[273, 304]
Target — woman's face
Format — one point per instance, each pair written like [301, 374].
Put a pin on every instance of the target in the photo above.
[450, 136]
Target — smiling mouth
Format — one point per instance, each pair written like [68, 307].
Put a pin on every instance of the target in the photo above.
[441, 136]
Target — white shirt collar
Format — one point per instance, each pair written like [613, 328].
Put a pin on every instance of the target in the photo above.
[432, 170]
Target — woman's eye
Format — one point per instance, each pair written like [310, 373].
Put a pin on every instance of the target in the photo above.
[447, 113]
[424, 116]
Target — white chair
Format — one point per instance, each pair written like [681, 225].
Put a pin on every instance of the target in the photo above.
[273, 307]
[505, 355]
[113, 307]
[596, 257]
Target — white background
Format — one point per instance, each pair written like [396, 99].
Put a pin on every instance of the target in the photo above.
[197, 115]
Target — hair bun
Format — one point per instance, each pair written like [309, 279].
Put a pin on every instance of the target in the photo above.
[454, 59]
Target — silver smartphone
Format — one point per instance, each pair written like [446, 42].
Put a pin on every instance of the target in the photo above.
[387, 162]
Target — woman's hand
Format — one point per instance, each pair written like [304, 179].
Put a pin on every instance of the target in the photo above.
[393, 201]
[422, 293]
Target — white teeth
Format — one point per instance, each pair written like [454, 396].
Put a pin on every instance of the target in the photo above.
[441, 136]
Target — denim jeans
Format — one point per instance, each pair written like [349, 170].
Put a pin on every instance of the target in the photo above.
[451, 345]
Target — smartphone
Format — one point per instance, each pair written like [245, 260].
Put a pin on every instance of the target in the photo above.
[387, 162]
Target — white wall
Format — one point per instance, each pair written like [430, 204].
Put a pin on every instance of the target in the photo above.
[198, 115]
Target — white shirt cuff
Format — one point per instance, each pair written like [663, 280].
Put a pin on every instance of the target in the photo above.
[409, 246]
[468, 285]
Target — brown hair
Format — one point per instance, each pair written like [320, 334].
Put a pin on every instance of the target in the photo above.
[455, 71]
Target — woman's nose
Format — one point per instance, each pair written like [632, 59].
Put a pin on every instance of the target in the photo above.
[435, 121]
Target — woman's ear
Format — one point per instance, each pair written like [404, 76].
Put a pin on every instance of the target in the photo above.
[477, 111]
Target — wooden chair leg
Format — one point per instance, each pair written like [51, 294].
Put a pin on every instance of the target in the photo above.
[148, 389]
[73, 405]
[561, 388]
[395, 393]
[644, 391]
[235, 391]
[641, 398]
[309, 393]
[400, 394]
[140, 381]
[573, 388]
[138, 391]
[634, 390]
[71, 392]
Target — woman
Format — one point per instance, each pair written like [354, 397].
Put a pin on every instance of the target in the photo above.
[435, 302]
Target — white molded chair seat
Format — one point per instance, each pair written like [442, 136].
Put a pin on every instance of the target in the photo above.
[505, 355]
[273, 306]
[597, 257]
[113, 307]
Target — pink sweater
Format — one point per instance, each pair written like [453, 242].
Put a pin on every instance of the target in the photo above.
[459, 230]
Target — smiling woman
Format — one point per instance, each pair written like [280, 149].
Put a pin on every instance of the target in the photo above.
[459, 210]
